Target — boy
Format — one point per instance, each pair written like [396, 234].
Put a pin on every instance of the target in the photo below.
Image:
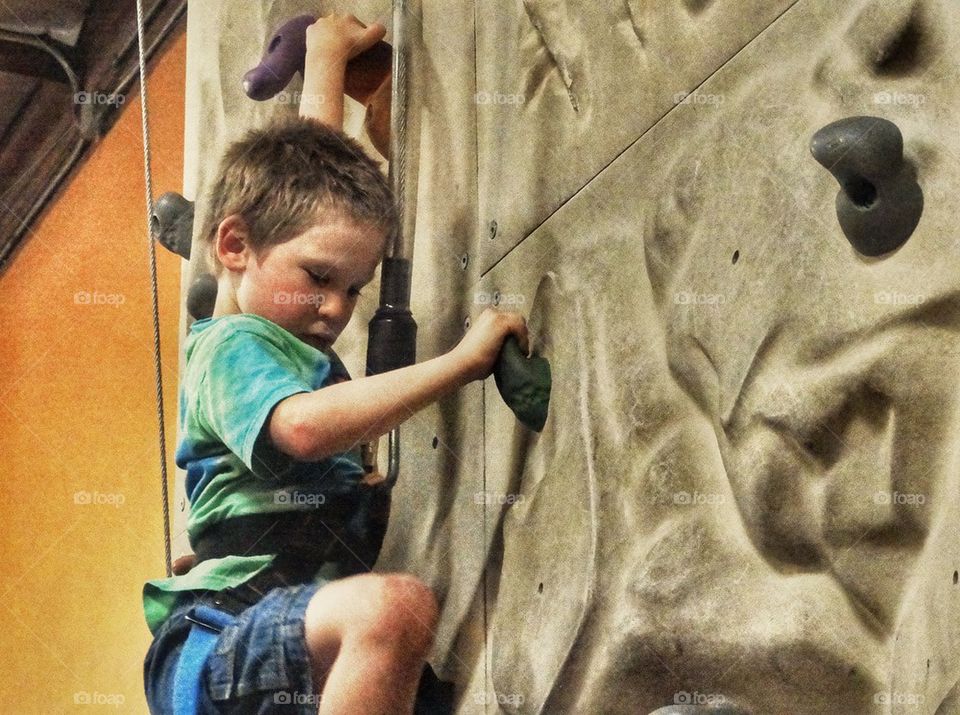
[298, 222]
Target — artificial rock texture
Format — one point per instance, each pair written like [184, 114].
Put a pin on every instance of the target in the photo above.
[745, 492]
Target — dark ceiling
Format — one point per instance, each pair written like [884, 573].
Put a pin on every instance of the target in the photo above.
[63, 66]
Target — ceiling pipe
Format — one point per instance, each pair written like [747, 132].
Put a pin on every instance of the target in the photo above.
[91, 126]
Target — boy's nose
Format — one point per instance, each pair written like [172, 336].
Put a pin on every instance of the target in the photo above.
[333, 306]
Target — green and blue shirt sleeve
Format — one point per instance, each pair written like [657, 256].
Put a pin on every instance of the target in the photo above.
[247, 375]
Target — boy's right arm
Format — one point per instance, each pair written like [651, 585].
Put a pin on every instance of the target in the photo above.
[312, 425]
[332, 41]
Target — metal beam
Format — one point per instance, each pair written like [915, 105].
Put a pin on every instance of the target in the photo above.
[38, 57]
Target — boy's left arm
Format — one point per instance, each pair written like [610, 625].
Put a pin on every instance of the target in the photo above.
[332, 41]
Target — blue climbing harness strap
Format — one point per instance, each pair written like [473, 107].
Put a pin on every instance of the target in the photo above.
[207, 622]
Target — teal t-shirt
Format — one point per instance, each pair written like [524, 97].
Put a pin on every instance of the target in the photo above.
[238, 367]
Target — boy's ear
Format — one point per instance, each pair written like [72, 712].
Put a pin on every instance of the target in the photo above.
[231, 246]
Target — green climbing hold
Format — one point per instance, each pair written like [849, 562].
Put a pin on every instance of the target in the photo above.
[524, 384]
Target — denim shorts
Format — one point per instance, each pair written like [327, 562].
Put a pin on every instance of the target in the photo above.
[258, 665]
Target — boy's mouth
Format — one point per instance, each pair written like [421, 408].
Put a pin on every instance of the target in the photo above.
[320, 342]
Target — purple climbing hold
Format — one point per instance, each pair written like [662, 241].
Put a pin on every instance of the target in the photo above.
[283, 59]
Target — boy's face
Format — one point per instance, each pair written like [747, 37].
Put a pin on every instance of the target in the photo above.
[309, 284]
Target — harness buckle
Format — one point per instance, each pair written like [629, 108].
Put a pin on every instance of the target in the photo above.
[208, 626]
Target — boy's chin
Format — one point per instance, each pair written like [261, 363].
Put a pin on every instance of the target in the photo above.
[315, 342]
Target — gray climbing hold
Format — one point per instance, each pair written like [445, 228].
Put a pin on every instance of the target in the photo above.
[880, 201]
[202, 296]
[172, 223]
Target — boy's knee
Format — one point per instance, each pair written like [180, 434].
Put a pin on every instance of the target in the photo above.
[384, 611]
[405, 613]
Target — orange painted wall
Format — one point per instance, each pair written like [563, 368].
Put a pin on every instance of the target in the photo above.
[78, 422]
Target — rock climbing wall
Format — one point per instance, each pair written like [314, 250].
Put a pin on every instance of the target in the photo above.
[744, 495]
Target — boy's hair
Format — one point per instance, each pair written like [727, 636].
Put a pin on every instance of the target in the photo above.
[280, 178]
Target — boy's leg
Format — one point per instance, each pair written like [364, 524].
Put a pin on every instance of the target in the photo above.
[368, 637]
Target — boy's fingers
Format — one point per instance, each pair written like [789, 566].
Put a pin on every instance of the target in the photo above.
[524, 339]
[373, 34]
[367, 39]
[519, 330]
[183, 564]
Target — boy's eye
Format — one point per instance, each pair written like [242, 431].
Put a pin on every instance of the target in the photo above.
[317, 278]
[355, 292]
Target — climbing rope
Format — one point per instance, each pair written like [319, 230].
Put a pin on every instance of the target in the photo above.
[153, 284]
[397, 166]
